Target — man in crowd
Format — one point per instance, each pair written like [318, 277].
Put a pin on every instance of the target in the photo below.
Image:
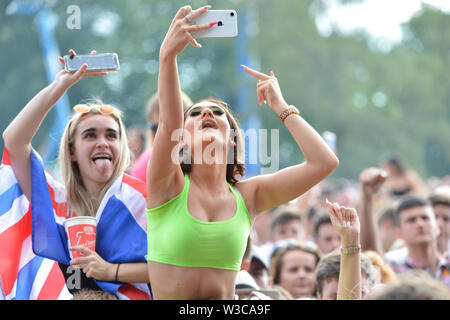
[326, 236]
[417, 226]
[440, 200]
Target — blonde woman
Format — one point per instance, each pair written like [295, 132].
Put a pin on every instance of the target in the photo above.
[93, 156]
[199, 212]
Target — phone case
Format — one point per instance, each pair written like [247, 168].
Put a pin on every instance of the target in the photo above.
[226, 26]
[95, 62]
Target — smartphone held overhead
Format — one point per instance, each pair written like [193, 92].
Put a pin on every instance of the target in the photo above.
[226, 27]
[103, 62]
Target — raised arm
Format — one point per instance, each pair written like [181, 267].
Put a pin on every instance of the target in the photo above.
[164, 175]
[346, 221]
[371, 179]
[274, 189]
[18, 135]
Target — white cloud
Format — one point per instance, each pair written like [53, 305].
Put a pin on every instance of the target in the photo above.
[380, 18]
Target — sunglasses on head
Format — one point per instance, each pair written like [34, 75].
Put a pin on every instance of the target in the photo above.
[84, 108]
[293, 244]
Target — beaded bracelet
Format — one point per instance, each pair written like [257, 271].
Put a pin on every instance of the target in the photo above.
[351, 250]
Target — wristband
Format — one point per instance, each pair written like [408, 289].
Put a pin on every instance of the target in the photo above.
[351, 250]
[290, 110]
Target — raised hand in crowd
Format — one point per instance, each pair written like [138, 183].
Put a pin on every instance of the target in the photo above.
[346, 221]
[371, 179]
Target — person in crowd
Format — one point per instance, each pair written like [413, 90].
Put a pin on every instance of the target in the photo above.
[244, 279]
[326, 236]
[310, 218]
[440, 201]
[259, 268]
[199, 212]
[136, 142]
[327, 276]
[412, 285]
[385, 272]
[261, 227]
[371, 179]
[399, 180]
[346, 221]
[292, 268]
[139, 168]
[88, 294]
[285, 224]
[93, 155]
[418, 227]
[388, 237]
[381, 236]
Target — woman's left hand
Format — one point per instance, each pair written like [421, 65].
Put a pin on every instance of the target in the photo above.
[346, 222]
[268, 90]
[93, 265]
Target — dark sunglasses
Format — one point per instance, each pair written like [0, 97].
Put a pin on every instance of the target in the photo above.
[217, 111]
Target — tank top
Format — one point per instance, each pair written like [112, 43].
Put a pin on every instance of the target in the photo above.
[175, 237]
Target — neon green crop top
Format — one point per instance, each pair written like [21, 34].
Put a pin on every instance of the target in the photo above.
[175, 237]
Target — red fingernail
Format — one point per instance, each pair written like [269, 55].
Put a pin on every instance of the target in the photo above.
[206, 7]
[213, 23]
[271, 73]
[244, 66]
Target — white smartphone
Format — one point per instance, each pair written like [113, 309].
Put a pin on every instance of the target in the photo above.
[226, 27]
[96, 62]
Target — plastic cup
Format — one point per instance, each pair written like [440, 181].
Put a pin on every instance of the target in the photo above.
[80, 231]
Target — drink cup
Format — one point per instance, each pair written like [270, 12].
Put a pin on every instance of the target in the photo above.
[81, 231]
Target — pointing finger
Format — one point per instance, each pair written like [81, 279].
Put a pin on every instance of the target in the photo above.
[256, 74]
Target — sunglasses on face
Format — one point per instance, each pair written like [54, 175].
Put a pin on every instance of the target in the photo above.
[217, 111]
[84, 108]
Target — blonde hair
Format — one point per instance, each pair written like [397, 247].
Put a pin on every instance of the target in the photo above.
[79, 199]
[411, 285]
[386, 272]
[88, 294]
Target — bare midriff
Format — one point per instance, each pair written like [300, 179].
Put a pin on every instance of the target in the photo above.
[170, 282]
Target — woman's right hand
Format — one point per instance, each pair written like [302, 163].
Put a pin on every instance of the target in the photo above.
[179, 34]
[67, 79]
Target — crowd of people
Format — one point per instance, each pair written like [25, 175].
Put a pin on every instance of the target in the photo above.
[404, 241]
[201, 231]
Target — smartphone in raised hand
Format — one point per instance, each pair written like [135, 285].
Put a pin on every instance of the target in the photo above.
[103, 62]
[226, 27]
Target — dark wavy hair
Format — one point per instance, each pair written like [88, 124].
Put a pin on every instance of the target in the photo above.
[236, 167]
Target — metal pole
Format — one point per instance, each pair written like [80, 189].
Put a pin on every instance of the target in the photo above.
[243, 99]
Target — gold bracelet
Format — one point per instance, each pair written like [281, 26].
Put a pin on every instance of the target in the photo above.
[351, 250]
[290, 110]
